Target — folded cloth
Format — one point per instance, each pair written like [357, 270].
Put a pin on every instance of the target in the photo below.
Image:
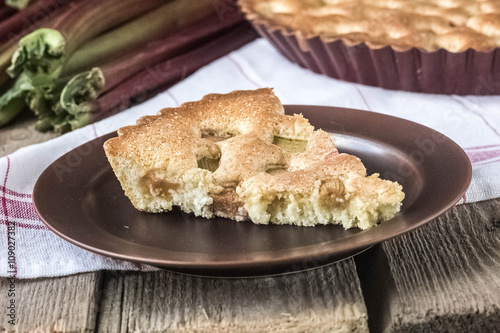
[472, 122]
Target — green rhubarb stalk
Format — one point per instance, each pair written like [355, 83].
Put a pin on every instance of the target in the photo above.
[41, 55]
[135, 34]
[12, 101]
[41, 13]
[47, 49]
[41, 99]
[145, 82]
[43, 72]
[22, 95]
[10, 110]
[6, 53]
[78, 96]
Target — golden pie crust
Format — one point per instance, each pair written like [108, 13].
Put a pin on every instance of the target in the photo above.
[238, 156]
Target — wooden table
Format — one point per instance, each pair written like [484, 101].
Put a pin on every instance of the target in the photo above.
[443, 277]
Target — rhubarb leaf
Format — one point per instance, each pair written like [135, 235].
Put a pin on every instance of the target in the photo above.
[40, 56]
[42, 99]
[81, 90]
[66, 106]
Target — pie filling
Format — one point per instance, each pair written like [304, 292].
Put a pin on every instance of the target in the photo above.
[151, 184]
[207, 163]
[290, 145]
[228, 204]
[214, 135]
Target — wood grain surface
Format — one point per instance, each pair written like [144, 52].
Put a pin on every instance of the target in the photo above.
[327, 299]
[62, 304]
[447, 274]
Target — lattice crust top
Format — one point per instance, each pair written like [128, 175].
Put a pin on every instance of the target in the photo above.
[454, 25]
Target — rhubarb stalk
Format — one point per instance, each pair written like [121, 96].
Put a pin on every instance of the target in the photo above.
[87, 86]
[12, 29]
[151, 81]
[40, 56]
[165, 48]
[5, 12]
[133, 35]
[19, 4]
[12, 102]
[34, 16]
[48, 48]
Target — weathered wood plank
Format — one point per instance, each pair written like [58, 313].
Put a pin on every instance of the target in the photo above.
[62, 304]
[326, 299]
[110, 307]
[446, 275]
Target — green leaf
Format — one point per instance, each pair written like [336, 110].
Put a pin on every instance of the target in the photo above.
[41, 99]
[63, 106]
[40, 56]
[81, 90]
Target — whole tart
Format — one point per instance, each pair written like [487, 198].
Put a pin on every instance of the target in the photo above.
[431, 46]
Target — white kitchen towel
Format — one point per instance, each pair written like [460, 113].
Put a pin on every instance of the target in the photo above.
[472, 122]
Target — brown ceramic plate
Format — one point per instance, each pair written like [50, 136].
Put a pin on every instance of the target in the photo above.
[79, 198]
